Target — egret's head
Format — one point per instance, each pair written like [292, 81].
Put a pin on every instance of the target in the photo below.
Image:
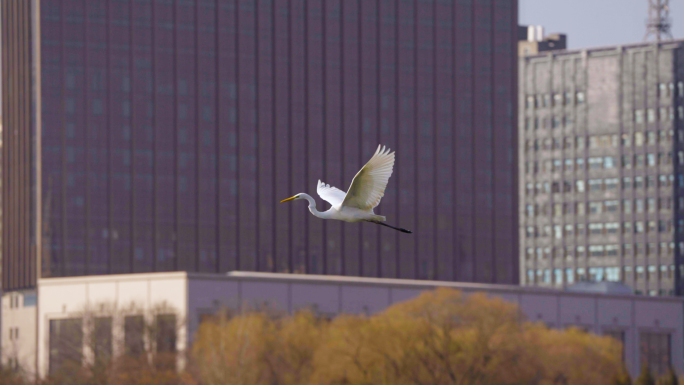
[294, 198]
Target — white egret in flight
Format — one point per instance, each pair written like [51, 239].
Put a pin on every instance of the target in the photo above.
[365, 192]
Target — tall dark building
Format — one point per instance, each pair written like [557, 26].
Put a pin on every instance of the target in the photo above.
[153, 135]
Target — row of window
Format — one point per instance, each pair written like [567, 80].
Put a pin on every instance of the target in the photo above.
[663, 114]
[602, 162]
[596, 229]
[607, 184]
[598, 274]
[566, 98]
[598, 207]
[602, 141]
[558, 99]
[650, 115]
[568, 252]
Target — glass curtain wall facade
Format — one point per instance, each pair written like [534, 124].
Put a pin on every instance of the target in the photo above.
[171, 129]
[601, 168]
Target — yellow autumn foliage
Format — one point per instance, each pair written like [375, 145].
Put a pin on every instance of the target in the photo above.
[440, 337]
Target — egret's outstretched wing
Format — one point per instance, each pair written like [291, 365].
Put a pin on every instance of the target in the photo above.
[330, 194]
[368, 186]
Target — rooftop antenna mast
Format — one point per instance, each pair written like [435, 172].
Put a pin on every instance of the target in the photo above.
[658, 24]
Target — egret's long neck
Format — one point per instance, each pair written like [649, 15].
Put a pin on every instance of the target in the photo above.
[312, 206]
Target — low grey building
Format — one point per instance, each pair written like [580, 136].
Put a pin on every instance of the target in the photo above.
[601, 136]
[651, 329]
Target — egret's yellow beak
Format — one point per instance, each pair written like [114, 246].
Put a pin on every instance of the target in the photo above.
[288, 199]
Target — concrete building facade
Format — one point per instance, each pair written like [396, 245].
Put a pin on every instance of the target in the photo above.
[651, 329]
[601, 135]
[159, 136]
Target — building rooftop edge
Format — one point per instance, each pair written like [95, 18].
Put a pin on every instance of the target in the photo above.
[331, 279]
[561, 52]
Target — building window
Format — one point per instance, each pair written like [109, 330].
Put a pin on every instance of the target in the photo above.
[166, 340]
[651, 115]
[663, 114]
[595, 207]
[558, 231]
[580, 97]
[595, 163]
[596, 274]
[101, 341]
[569, 230]
[639, 139]
[579, 208]
[639, 205]
[134, 329]
[595, 184]
[581, 274]
[662, 90]
[569, 164]
[639, 227]
[558, 276]
[569, 276]
[66, 345]
[638, 181]
[558, 99]
[612, 228]
[618, 335]
[654, 351]
[638, 160]
[640, 272]
[638, 116]
[595, 229]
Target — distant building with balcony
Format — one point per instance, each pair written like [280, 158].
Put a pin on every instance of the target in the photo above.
[601, 137]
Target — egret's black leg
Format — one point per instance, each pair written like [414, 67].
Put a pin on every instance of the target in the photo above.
[392, 227]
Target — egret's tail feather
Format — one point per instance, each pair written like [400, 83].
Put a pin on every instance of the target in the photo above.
[379, 218]
[392, 227]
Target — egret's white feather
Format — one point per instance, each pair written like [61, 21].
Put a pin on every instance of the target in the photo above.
[330, 194]
[365, 193]
[368, 186]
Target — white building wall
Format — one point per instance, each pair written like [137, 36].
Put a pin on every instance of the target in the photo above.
[19, 315]
[68, 297]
